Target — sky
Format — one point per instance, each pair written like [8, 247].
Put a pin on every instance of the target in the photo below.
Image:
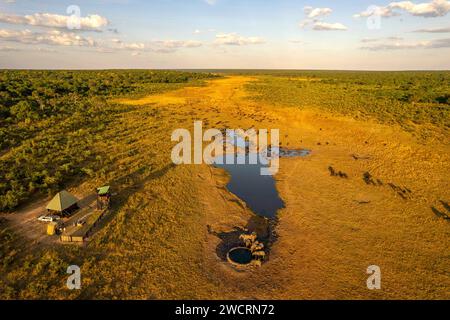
[225, 34]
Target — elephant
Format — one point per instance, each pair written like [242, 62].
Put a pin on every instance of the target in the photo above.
[257, 246]
[259, 255]
[248, 239]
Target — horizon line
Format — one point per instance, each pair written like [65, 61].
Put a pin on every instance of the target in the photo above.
[225, 69]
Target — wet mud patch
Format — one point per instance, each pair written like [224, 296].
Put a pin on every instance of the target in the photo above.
[263, 229]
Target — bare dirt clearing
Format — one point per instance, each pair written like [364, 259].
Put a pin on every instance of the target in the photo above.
[34, 232]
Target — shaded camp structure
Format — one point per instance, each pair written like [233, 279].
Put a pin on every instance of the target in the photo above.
[63, 203]
[103, 197]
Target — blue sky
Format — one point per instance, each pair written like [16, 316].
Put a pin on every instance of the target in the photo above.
[295, 34]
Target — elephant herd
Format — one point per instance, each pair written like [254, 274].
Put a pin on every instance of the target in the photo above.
[256, 247]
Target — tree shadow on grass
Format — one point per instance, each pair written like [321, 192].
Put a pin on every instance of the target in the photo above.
[87, 201]
[134, 182]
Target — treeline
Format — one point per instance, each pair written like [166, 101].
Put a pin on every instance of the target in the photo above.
[39, 94]
[49, 121]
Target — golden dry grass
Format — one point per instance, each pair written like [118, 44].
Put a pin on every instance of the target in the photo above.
[156, 243]
[327, 240]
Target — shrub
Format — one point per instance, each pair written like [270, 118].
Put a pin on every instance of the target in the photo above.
[23, 110]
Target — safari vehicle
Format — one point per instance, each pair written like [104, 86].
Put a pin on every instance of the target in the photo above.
[51, 218]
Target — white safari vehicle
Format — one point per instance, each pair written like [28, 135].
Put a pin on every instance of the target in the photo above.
[48, 218]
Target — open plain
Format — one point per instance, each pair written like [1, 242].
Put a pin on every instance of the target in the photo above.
[168, 226]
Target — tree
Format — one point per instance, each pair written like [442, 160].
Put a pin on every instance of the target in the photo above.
[4, 112]
[23, 110]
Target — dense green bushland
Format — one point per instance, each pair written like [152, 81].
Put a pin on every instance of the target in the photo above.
[404, 98]
[49, 121]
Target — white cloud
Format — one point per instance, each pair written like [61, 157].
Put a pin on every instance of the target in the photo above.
[198, 31]
[366, 40]
[168, 46]
[325, 26]
[434, 30]
[434, 8]
[91, 22]
[105, 50]
[53, 37]
[60, 38]
[376, 11]
[210, 2]
[393, 38]
[400, 45]
[316, 12]
[175, 44]
[8, 48]
[160, 46]
[296, 41]
[315, 17]
[38, 49]
[46, 50]
[132, 46]
[440, 43]
[234, 39]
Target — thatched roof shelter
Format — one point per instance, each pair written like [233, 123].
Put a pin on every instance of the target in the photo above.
[62, 201]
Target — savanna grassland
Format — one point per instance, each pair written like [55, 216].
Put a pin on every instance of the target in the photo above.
[388, 132]
[416, 101]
